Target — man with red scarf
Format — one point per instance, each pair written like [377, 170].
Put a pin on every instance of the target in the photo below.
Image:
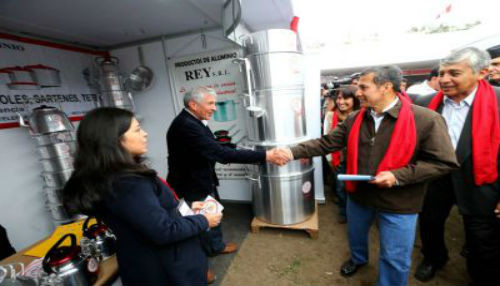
[470, 107]
[403, 146]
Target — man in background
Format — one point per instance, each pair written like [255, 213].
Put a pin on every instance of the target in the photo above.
[428, 86]
[494, 69]
[469, 104]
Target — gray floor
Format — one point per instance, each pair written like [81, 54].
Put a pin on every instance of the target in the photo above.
[235, 227]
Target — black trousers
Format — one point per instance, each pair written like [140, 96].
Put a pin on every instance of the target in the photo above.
[483, 242]
[438, 202]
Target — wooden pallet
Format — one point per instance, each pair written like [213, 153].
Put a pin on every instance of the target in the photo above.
[311, 226]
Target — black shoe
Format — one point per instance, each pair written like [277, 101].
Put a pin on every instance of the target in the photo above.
[426, 270]
[349, 268]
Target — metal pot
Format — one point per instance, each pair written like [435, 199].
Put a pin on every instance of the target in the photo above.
[5, 76]
[45, 76]
[109, 73]
[54, 138]
[141, 77]
[53, 195]
[47, 119]
[58, 150]
[68, 263]
[58, 212]
[101, 236]
[56, 180]
[57, 164]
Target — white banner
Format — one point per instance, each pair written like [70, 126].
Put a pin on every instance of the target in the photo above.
[32, 75]
[216, 70]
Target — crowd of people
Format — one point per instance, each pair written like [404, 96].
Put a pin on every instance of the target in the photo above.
[462, 91]
[426, 151]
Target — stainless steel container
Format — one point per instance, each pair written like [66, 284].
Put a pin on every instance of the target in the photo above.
[56, 179]
[275, 116]
[55, 138]
[112, 90]
[58, 150]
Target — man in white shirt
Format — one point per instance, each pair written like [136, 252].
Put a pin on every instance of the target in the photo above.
[461, 79]
[428, 86]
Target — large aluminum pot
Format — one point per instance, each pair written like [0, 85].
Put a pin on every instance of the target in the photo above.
[45, 76]
[284, 199]
[283, 120]
[57, 179]
[276, 70]
[68, 263]
[118, 98]
[269, 41]
[47, 119]
[110, 78]
[53, 195]
[61, 149]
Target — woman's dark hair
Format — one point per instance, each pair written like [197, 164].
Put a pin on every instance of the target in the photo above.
[99, 158]
[349, 91]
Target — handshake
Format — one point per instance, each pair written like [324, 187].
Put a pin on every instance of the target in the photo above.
[279, 156]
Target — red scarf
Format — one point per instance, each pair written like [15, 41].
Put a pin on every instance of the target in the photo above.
[335, 154]
[169, 187]
[486, 131]
[401, 147]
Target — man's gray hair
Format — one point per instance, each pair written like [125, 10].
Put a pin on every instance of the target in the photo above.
[197, 94]
[391, 73]
[477, 59]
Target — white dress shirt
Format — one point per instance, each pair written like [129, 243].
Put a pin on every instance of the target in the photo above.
[455, 114]
[422, 89]
[205, 122]
[379, 117]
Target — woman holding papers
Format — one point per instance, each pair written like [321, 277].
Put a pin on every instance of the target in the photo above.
[156, 245]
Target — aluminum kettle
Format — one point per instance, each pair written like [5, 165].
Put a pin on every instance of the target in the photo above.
[69, 264]
[47, 119]
[101, 237]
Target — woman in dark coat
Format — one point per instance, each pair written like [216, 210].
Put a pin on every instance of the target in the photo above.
[155, 244]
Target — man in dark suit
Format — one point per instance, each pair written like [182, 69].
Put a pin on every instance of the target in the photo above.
[193, 153]
[470, 107]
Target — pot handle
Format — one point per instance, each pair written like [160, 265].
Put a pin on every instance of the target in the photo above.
[46, 258]
[22, 123]
[85, 227]
[248, 76]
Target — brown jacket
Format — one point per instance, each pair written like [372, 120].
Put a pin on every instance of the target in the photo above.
[433, 157]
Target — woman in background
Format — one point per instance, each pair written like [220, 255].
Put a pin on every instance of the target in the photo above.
[346, 102]
[155, 244]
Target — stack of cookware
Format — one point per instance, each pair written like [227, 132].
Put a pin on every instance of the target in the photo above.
[55, 138]
[111, 85]
[275, 117]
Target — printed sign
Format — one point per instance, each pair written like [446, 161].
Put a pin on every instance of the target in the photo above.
[216, 70]
[32, 75]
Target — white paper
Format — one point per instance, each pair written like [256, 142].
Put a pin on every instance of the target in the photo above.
[184, 208]
[344, 177]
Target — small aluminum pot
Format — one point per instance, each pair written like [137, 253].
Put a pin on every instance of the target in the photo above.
[47, 119]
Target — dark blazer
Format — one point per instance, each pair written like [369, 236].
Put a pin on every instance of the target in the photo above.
[155, 244]
[193, 152]
[471, 199]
